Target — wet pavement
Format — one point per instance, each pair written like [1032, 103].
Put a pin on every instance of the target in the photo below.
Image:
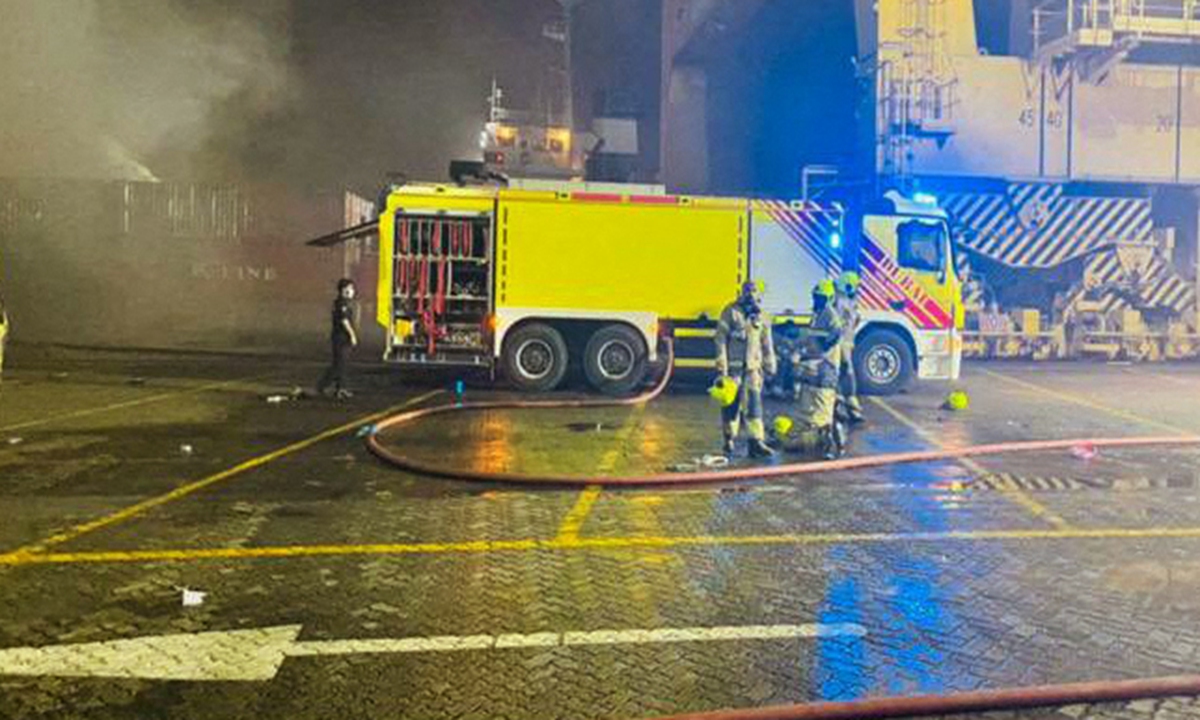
[337, 586]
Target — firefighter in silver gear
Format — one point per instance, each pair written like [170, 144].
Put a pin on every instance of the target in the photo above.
[818, 371]
[846, 303]
[744, 334]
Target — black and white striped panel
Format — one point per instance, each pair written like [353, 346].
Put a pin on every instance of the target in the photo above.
[1037, 225]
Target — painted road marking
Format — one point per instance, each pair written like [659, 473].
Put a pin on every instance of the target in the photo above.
[1015, 494]
[86, 412]
[591, 544]
[256, 655]
[1091, 404]
[574, 520]
[193, 487]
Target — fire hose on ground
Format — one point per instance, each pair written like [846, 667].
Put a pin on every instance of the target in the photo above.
[885, 707]
[968, 702]
[419, 467]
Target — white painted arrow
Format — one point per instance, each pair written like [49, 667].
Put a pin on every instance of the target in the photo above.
[249, 655]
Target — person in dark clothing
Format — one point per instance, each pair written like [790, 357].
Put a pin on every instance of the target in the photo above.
[343, 338]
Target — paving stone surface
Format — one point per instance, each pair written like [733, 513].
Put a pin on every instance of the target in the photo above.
[387, 593]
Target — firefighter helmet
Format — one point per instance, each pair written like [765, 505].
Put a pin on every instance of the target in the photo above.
[782, 425]
[724, 390]
[957, 401]
[849, 281]
[824, 288]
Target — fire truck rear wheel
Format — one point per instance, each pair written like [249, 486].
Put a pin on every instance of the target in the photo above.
[535, 357]
[883, 363]
[615, 360]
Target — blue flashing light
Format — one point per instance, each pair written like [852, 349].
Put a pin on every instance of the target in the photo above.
[925, 199]
[835, 240]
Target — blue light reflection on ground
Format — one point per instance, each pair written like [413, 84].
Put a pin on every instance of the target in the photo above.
[892, 593]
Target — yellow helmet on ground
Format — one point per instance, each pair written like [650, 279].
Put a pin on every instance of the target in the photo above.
[849, 280]
[957, 401]
[782, 425]
[824, 288]
[724, 390]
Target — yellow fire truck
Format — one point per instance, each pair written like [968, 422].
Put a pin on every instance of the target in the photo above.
[536, 281]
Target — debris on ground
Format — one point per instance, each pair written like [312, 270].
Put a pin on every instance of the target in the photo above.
[583, 427]
[186, 449]
[703, 462]
[1084, 451]
[15, 440]
[364, 431]
[296, 393]
[192, 598]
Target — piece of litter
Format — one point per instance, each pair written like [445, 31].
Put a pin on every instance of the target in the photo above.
[696, 463]
[16, 440]
[192, 598]
[1084, 451]
[683, 467]
[364, 431]
[277, 399]
[186, 449]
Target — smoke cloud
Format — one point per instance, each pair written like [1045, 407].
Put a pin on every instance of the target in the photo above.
[113, 89]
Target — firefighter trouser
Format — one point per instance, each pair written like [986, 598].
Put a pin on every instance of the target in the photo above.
[748, 407]
[847, 380]
[816, 405]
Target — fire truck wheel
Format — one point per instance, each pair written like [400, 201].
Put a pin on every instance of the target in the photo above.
[615, 360]
[535, 357]
[883, 363]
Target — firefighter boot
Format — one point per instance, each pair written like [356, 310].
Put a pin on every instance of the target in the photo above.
[759, 449]
[831, 448]
[841, 435]
[854, 411]
[728, 447]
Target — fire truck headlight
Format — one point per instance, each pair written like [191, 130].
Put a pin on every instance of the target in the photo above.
[938, 344]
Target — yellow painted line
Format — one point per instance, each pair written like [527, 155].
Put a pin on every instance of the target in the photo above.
[573, 522]
[591, 544]
[193, 487]
[1043, 391]
[1017, 495]
[87, 412]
